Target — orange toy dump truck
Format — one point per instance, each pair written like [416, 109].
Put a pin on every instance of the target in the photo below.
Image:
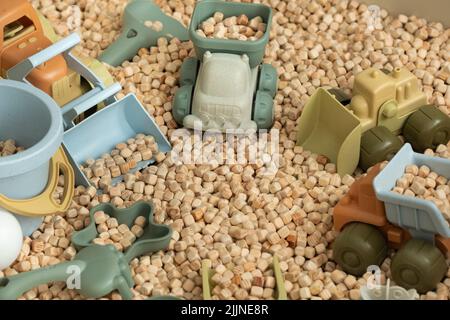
[24, 33]
[372, 218]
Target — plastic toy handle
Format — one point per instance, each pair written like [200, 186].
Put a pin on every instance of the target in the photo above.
[13, 287]
[124, 48]
[83, 103]
[20, 71]
[281, 290]
[45, 204]
[206, 279]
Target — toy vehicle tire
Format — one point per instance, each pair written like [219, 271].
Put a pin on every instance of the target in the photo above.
[359, 246]
[263, 111]
[418, 265]
[188, 72]
[378, 144]
[427, 128]
[182, 102]
[268, 79]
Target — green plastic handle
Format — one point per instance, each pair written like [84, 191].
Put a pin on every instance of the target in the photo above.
[13, 287]
[135, 35]
[281, 290]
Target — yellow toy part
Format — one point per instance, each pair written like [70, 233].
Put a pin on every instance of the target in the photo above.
[208, 284]
[206, 279]
[45, 204]
[47, 27]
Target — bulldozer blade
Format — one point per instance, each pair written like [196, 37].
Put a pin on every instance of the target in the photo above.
[328, 128]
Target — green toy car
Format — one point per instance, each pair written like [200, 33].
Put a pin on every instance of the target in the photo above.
[226, 87]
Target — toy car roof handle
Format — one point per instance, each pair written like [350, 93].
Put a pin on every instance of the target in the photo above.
[75, 64]
[83, 103]
[76, 107]
[20, 71]
[64, 46]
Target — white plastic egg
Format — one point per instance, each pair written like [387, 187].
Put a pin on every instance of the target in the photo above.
[11, 239]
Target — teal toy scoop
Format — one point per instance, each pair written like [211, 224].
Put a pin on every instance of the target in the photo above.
[136, 35]
[96, 270]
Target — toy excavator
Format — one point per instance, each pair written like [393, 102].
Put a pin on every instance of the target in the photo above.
[25, 33]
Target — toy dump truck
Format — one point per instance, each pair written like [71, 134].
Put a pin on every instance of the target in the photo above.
[363, 129]
[26, 33]
[372, 218]
[226, 86]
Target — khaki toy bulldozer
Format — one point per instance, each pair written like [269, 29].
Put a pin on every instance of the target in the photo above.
[25, 33]
[363, 130]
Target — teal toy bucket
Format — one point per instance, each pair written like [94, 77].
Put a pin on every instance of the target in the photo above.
[34, 121]
[253, 49]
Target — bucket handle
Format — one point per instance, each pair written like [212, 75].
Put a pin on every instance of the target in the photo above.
[64, 46]
[45, 204]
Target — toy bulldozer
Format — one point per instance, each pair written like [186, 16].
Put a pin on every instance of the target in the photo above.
[363, 130]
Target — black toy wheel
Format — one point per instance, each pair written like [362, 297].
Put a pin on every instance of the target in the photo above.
[427, 128]
[418, 265]
[377, 144]
[340, 96]
[359, 246]
[188, 72]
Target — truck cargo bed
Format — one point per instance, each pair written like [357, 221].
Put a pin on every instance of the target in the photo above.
[421, 217]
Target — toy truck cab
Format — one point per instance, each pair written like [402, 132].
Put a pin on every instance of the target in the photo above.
[382, 99]
[223, 94]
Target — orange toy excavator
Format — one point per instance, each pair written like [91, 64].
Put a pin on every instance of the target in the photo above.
[23, 33]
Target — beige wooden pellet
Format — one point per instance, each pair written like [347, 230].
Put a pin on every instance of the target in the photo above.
[234, 27]
[140, 221]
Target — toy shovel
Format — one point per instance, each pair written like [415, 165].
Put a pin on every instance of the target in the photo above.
[96, 270]
[136, 35]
